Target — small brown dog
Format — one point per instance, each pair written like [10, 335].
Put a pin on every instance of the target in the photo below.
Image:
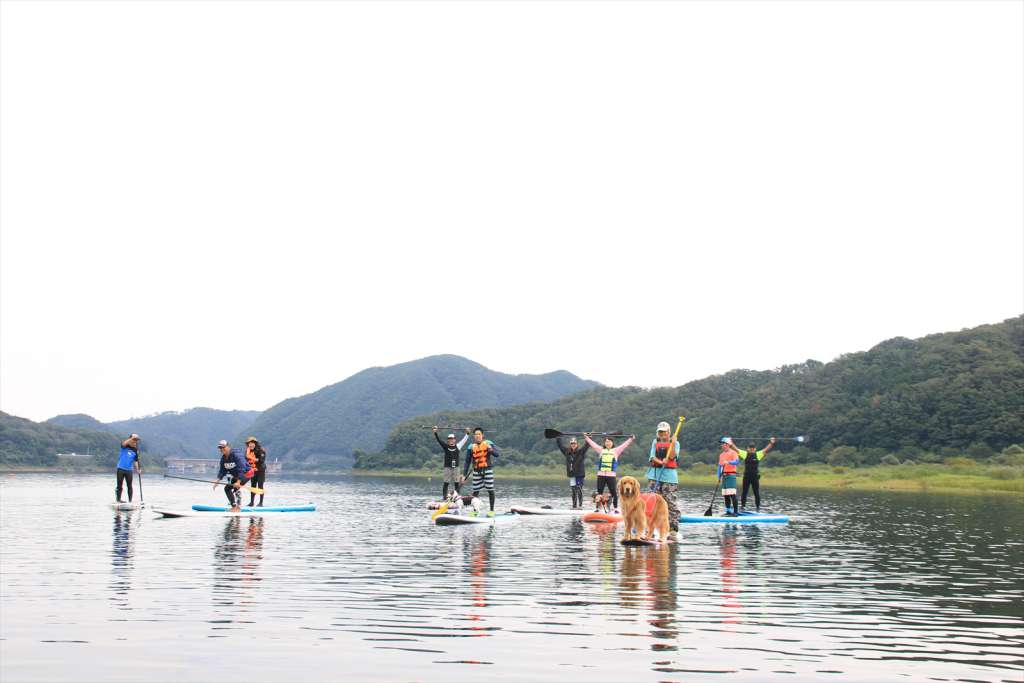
[642, 513]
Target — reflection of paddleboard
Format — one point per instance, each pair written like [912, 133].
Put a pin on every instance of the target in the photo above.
[637, 541]
[601, 517]
[745, 518]
[448, 519]
[127, 506]
[308, 507]
[547, 511]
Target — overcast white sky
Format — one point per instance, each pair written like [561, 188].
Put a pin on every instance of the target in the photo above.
[228, 204]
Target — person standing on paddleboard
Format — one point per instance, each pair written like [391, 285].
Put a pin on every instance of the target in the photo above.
[128, 461]
[728, 459]
[235, 467]
[481, 456]
[575, 468]
[607, 464]
[662, 476]
[256, 456]
[751, 476]
[452, 451]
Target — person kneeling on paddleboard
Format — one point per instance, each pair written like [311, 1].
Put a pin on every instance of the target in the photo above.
[607, 464]
[728, 459]
[481, 456]
[575, 468]
[235, 467]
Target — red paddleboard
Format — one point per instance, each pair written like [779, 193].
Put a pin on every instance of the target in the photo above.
[601, 517]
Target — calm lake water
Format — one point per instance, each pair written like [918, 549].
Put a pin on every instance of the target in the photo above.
[864, 587]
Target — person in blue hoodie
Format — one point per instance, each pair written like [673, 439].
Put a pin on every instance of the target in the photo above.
[235, 467]
[128, 461]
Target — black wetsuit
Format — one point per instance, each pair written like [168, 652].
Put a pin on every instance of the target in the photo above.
[575, 469]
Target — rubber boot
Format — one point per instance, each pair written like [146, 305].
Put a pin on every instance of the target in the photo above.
[490, 494]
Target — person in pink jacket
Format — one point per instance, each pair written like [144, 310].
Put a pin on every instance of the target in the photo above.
[607, 464]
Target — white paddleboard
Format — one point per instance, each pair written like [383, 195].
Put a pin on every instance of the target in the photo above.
[548, 511]
[128, 506]
[194, 513]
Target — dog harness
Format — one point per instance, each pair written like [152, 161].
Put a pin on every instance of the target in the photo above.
[650, 500]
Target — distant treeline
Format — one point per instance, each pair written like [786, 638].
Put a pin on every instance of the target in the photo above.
[952, 394]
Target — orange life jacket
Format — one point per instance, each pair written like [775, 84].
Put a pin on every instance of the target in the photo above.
[479, 453]
[251, 457]
[661, 453]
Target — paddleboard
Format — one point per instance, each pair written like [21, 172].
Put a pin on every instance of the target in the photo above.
[128, 506]
[547, 511]
[193, 513]
[746, 518]
[601, 517]
[448, 519]
[309, 507]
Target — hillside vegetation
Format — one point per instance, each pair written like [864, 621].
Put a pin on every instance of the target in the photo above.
[951, 394]
[325, 427]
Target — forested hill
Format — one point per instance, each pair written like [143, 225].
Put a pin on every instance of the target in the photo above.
[323, 428]
[953, 391]
[191, 433]
[27, 443]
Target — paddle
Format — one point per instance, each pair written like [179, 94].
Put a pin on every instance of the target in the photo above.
[138, 461]
[455, 428]
[210, 481]
[798, 439]
[707, 513]
[554, 433]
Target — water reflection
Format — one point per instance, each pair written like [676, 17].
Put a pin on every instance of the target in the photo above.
[122, 556]
[236, 564]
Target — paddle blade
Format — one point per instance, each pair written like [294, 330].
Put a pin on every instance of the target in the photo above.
[801, 439]
[552, 433]
[440, 511]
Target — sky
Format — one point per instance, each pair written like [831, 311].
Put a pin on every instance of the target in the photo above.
[227, 204]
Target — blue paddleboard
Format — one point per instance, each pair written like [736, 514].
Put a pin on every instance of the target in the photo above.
[743, 518]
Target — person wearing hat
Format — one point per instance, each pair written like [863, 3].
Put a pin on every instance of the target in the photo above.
[128, 461]
[662, 475]
[575, 468]
[235, 467]
[256, 456]
[451, 451]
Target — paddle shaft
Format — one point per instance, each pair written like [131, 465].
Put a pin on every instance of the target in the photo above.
[714, 494]
[554, 433]
[210, 481]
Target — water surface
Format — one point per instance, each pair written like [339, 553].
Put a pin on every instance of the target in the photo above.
[866, 587]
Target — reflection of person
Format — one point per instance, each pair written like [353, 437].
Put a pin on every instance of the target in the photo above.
[452, 451]
[235, 467]
[575, 468]
[128, 461]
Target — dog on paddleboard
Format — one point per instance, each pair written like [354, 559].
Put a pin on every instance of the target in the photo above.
[602, 502]
[643, 513]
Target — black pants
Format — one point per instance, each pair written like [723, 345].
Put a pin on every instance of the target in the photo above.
[124, 477]
[234, 495]
[257, 481]
[751, 480]
[610, 483]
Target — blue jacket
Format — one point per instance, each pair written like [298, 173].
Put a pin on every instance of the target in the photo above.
[234, 464]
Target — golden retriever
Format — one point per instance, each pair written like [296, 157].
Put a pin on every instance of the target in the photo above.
[642, 513]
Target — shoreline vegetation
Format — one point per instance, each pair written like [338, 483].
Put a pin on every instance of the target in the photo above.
[955, 475]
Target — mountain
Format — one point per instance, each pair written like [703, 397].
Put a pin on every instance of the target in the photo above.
[325, 427]
[960, 392]
[191, 433]
[24, 442]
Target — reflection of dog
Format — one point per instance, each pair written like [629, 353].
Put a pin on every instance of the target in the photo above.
[601, 502]
[643, 512]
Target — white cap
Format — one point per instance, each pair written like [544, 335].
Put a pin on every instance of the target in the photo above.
[222, 443]
[663, 427]
[451, 436]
